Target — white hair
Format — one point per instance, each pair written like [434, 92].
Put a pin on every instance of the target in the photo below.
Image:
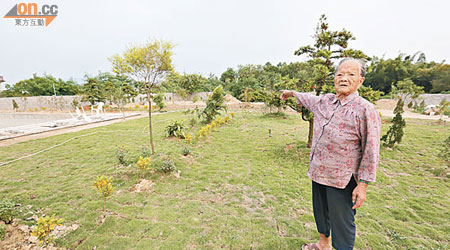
[361, 65]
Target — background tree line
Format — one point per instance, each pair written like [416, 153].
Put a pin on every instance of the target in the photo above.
[246, 82]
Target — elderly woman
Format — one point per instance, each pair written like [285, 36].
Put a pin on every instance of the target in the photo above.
[344, 154]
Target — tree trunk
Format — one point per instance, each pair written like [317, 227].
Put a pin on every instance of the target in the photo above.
[150, 118]
[310, 133]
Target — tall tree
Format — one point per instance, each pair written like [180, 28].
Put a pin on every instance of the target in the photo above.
[328, 45]
[148, 64]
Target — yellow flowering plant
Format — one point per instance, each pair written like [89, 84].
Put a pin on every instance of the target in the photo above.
[46, 225]
[188, 138]
[143, 164]
[104, 188]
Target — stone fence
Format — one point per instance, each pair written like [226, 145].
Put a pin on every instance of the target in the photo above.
[431, 99]
[64, 103]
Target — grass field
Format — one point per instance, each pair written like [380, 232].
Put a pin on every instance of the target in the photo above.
[239, 189]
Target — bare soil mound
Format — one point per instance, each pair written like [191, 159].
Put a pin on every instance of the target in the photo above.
[231, 99]
[386, 104]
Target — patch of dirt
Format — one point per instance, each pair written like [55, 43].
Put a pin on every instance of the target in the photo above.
[386, 104]
[254, 201]
[310, 225]
[288, 147]
[229, 99]
[143, 186]
[190, 160]
[19, 237]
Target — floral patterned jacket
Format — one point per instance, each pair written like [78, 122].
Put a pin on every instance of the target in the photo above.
[346, 138]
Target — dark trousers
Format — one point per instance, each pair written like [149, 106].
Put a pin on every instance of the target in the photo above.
[333, 211]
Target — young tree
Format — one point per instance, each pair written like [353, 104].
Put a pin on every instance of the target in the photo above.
[406, 89]
[328, 45]
[395, 132]
[215, 104]
[148, 64]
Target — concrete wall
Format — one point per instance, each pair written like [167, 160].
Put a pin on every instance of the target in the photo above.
[172, 97]
[63, 103]
[40, 103]
[431, 99]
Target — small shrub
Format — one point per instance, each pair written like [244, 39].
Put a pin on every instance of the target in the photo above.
[195, 99]
[445, 151]
[410, 105]
[421, 107]
[121, 154]
[186, 151]
[137, 106]
[168, 166]
[2, 231]
[159, 101]
[104, 188]
[203, 131]
[183, 93]
[143, 164]
[192, 122]
[130, 108]
[188, 138]
[7, 210]
[195, 111]
[232, 114]
[15, 105]
[197, 136]
[146, 152]
[145, 106]
[175, 129]
[215, 104]
[44, 108]
[75, 103]
[213, 126]
[395, 132]
[444, 108]
[46, 225]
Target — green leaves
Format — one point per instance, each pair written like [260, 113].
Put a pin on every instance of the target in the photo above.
[46, 225]
[175, 129]
[147, 63]
[215, 104]
[45, 85]
[7, 210]
[395, 132]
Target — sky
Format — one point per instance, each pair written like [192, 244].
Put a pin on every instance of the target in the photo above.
[211, 35]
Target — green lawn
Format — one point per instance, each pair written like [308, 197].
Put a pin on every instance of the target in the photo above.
[238, 189]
